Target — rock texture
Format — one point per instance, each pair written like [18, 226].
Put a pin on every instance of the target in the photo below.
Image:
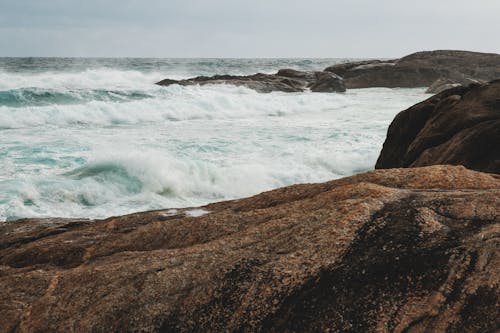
[286, 80]
[421, 69]
[402, 250]
[442, 84]
[460, 126]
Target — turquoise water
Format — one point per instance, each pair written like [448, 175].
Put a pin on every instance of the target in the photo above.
[96, 138]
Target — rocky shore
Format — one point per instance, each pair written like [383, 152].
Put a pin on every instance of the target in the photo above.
[460, 126]
[412, 247]
[387, 251]
[437, 70]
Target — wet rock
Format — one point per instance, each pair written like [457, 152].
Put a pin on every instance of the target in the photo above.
[387, 251]
[327, 82]
[460, 126]
[286, 80]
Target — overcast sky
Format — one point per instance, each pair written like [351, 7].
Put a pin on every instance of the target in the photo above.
[246, 28]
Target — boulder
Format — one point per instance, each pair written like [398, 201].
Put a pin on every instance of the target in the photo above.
[420, 69]
[459, 126]
[286, 80]
[327, 82]
[395, 250]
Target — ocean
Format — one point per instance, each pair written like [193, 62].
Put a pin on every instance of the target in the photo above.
[96, 138]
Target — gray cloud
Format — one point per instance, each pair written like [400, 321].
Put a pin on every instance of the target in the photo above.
[243, 28]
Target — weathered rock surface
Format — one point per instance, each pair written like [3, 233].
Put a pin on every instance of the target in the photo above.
[460, 126]
[421, 69]
[441, 84]
[401, 250]
[286, 80]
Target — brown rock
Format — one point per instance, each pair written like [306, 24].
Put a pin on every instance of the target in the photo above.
[286, 80]
[387, 251]
[460, 126]
[343, 68]
[326, 82]
[442, 84]
[420, 69]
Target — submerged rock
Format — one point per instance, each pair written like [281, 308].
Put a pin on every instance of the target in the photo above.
[460, 126]
[286, 80]
[420, 69]
[387, 251]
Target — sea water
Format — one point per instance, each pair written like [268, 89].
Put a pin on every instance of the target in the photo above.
[96, 137]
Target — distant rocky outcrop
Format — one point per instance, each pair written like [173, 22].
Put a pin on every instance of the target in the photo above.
[400, 250]
[459, 126]
[421, 69]
[286, 80]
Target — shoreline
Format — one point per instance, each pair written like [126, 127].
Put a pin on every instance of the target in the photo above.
[412, 245]
[308, 257]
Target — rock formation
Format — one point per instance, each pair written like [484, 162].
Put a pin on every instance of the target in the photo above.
[421, 69]
[286, 80]
[459, 126]
[401, 250]
[442, 84]
[438, 70]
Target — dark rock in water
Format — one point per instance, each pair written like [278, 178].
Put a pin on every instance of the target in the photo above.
[420, 69]
[460, 126]
[439, 70]
[286, 80]
[327, 82]
[342, 69]
[295, 74]
[260, 82]
[400, 250]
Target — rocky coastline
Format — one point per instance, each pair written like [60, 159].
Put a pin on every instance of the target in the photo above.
[460, 126]
[436, 70]
[411, 247]
[285, 80]
[392, 250]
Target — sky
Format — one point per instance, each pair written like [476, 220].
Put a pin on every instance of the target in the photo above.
[246, 28]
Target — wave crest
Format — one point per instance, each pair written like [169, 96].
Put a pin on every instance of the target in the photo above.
[43, 97]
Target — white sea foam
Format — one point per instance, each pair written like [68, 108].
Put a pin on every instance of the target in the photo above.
[196, 212]
[176, 103]
[175, 146]
[87, 79]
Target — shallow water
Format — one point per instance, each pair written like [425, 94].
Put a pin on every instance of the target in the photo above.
[95, 137]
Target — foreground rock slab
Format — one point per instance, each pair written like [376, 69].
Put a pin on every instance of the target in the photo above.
[440, 69]
[286, 80]
[459, 126]
[402, 250]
